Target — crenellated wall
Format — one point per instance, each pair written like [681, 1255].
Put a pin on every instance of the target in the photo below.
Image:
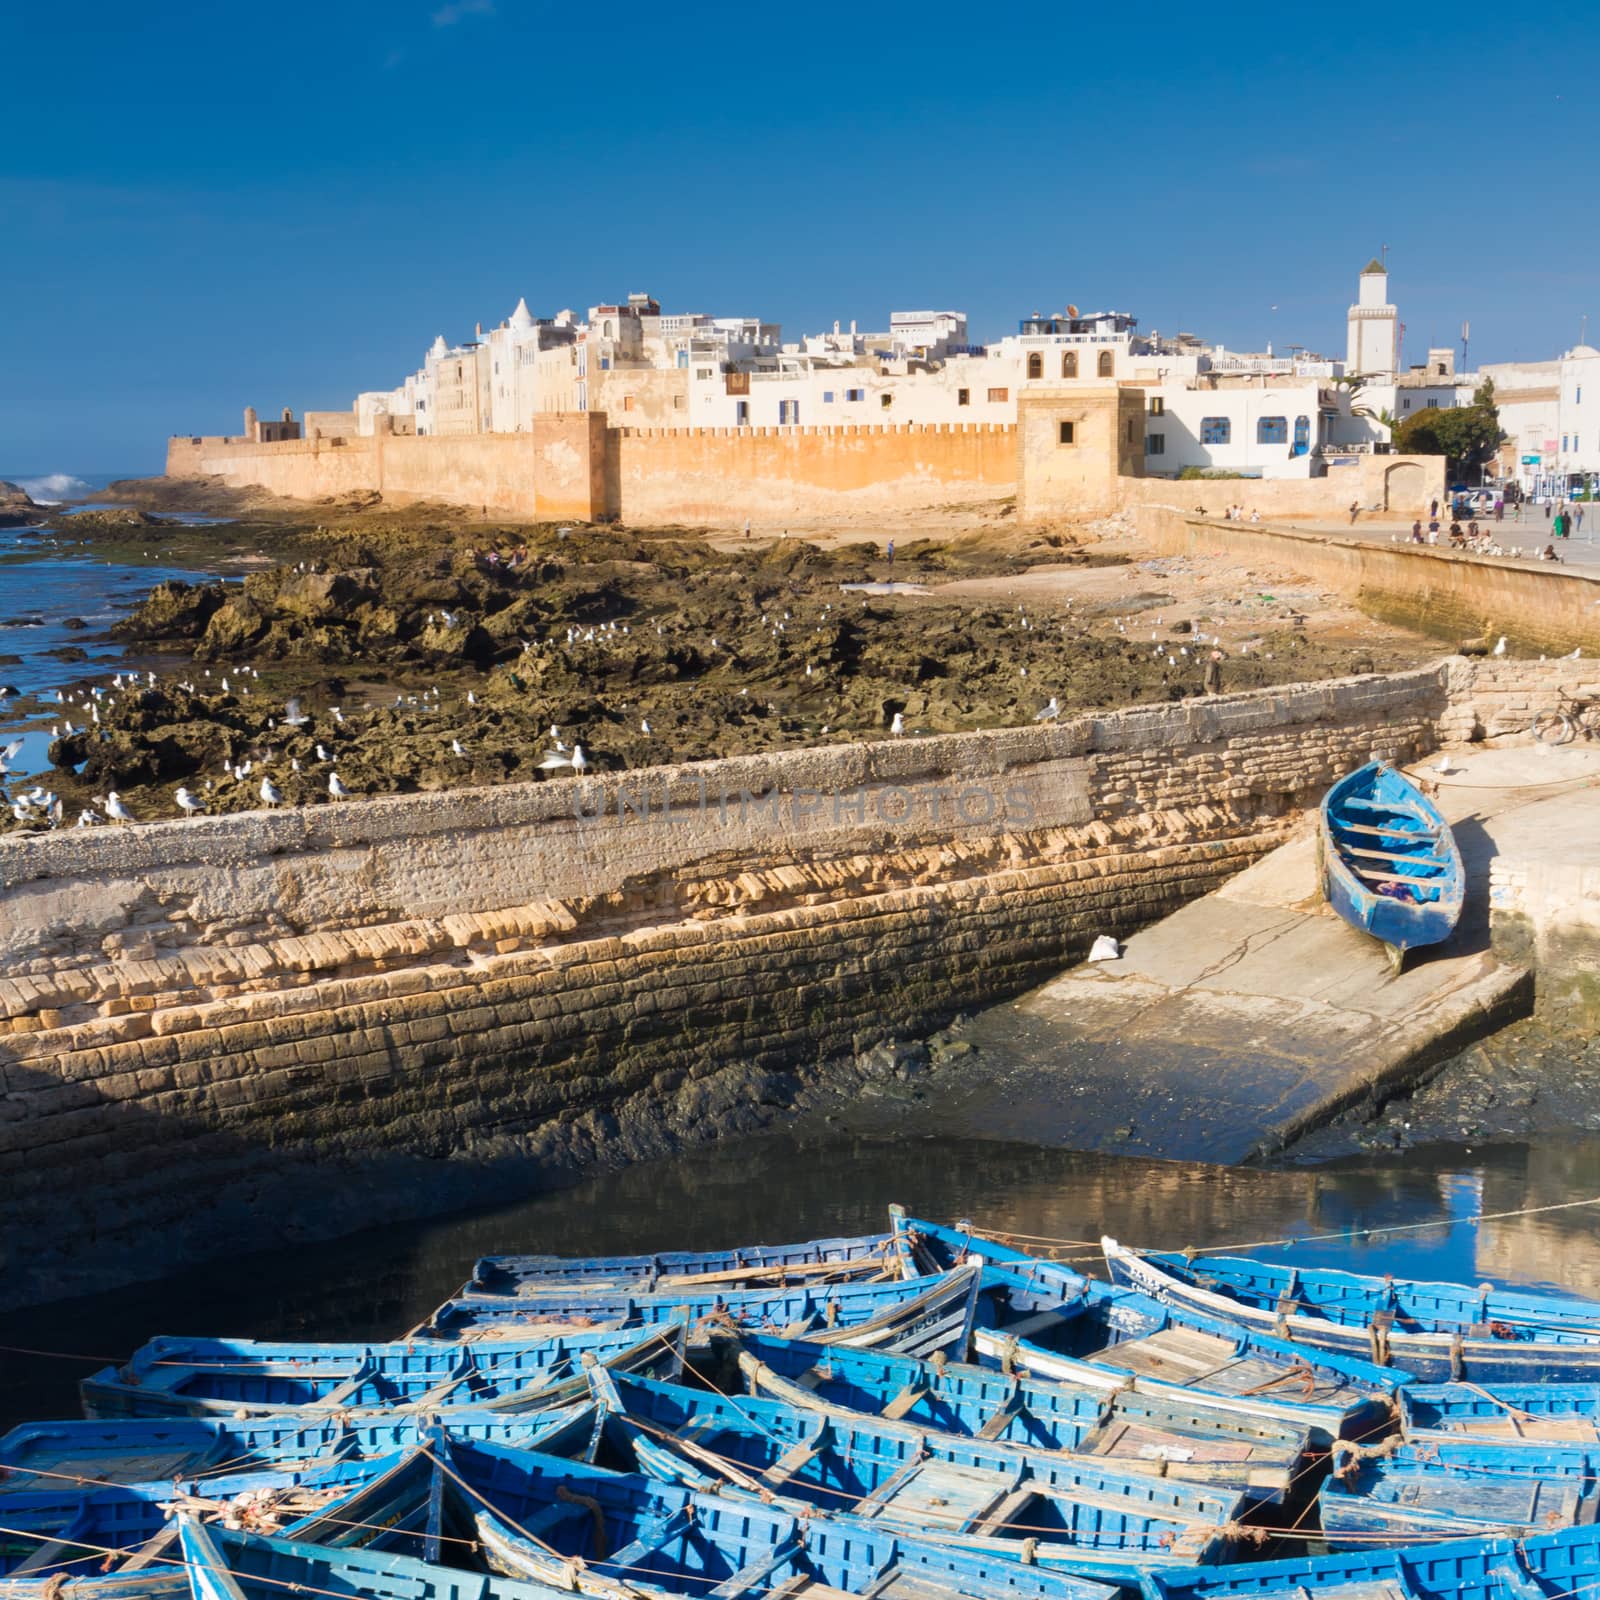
[383, 1008]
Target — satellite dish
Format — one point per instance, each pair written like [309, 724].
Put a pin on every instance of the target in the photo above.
[1072, 311]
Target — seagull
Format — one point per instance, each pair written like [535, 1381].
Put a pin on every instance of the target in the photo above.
[293, 716]
[898, 727]
[1576, 654]
[472, 699]
[270, 792]
[322, 755]
[455, 748]
[579, 760]
[336, 788]
[338, 716]
[115, 809]
[644, 725]
[11, 751]
[187, 802]
[1050, 712]
[1500, 649]
[553, 761]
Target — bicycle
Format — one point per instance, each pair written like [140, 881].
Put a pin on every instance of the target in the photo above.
[1568, 717]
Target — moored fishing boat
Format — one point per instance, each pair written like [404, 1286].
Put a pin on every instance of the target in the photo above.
[1043, 1318]
[614, 1534]
[1539, 1415]
[920, 1315]
[1455, 1489]
[1185, 1438]
[1544, 1566]
[744, 1266]
[119, 1542]
[41, 1455]
[1388, 861]
[1043, 1506]
[237, 1377]
[1436, 1332]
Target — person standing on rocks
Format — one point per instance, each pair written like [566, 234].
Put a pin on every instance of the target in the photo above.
[1212, 680]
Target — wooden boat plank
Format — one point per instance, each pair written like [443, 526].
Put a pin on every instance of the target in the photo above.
[1394, 855]
[1387, 833]
[1135, 1441]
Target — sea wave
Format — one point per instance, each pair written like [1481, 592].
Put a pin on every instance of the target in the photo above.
[53, 488]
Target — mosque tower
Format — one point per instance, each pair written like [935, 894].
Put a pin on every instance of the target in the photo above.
[1372, 347]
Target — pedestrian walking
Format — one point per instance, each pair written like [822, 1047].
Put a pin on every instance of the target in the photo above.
[1499, 509]
[1433, 510]
[1355, 511]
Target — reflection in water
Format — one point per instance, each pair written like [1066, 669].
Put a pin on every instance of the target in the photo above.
[786, 1187]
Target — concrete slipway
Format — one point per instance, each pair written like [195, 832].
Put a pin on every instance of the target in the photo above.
[1255, 1014]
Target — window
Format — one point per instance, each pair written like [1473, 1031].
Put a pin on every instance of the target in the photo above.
[627, 402]
[1035, 364]
[1158, 406]
[1067, 431]
[679, 402]
[999, 396]
[683, 358]
[608, 330]
[702, 373]
[1272, 430]
[1103, 366]
[963, 397]
[1302, 435]
[855, 394]
[1155, 444]
[605, 363]
[1069, 364]
[788, 411]
[827, 397]
[1405, 405]
[1215, 430]
[885, 400]
[1433, 405]
[741, 412]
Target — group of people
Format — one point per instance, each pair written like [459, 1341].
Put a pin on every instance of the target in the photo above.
[1236, 514]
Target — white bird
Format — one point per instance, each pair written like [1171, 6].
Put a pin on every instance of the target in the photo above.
[85, 817]
[644, 725]
[338, 716]
[293, 715]
[187, 802]
[322, 755]
[1050, 712]
[336, 788]
[553, 761]
[897, 727]
[472, 699]
[270, 792]
[579, 760]
[115, 809]
[11, 751]
[455, 748]
[1576, 654]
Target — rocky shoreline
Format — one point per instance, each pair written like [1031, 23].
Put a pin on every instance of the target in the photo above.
[428, 652]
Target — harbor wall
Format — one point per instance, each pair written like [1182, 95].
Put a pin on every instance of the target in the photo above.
[250, 1029]
[578, 468]
[1446, 593]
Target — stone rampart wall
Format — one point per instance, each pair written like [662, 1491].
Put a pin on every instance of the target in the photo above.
[712, 475]
[347, 1013]
[1537, 607]
[1400, 485]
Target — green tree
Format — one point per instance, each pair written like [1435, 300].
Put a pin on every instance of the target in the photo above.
[1467, 436]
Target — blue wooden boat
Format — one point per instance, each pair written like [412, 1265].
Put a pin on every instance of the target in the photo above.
[532, 1516]
[1456, 1489]
[228, 1564]
[1054, 1509]
[234, 1377]
[1546, 1566]
[920, 1315]
[1043, 1318]
[1436, 1332]
[118, 1542]
[43, 1455]
[745, 1266]
[1540, 1416]
[1188, 1440]
[1388, 860]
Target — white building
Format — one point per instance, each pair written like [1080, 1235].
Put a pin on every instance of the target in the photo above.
[1373, 325]
[1578, 458]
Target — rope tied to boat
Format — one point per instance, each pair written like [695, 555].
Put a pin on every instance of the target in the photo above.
[1346, 1455]
[1301, 1372]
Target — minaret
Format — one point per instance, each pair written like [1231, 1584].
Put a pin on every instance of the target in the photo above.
[1371, 347]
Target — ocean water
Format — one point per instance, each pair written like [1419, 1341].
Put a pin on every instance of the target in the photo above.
[45, 586]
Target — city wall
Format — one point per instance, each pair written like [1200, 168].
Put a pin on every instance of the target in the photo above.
[1444, 592]
[338, 1016]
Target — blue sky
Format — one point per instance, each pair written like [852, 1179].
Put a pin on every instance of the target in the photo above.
[203, 205]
